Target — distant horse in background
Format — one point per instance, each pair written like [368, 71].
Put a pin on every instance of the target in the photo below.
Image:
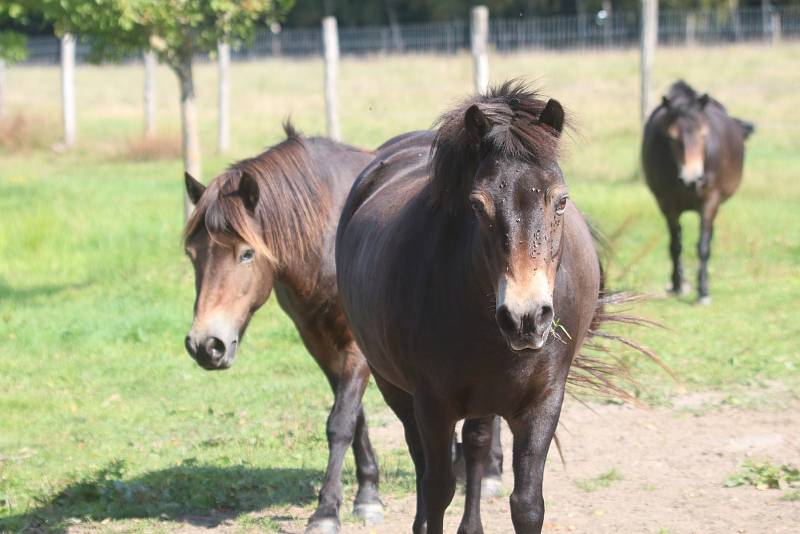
[270, 222]
[692, 154]
[471, 281]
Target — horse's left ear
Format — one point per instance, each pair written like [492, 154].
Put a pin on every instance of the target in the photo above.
[476, 123]
[248, 191]
[553, 116]
[703, 100]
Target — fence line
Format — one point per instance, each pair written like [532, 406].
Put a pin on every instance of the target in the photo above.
[619, 29]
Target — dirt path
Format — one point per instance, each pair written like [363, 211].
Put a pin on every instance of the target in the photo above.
[670, 466]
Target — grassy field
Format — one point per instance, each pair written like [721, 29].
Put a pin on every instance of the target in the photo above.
[104, 417]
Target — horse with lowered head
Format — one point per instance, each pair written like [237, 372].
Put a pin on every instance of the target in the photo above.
[470, 281]
[269, 223]
[692, 154]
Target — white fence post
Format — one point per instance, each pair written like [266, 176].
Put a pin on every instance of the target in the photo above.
[480, 56]
[68, 87]
[149, 94]
[2, 87]
[224, 133]
[691, 29]
[648, 39]
[330, 40]
[775, 28]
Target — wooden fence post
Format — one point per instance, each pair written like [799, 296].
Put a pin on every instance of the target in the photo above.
[149, 94]
[691, 29]
[224, 131]
[480, 56]
[775, 28]
[648, 39]
[330, 41]
[68, 88]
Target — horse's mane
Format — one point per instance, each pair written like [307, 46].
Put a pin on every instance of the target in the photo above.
[292, 209]
[513, 110]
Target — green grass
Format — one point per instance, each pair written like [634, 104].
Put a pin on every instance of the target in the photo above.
[602, 480]
[103, 416]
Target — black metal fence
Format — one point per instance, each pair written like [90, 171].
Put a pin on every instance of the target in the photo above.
[597, 30]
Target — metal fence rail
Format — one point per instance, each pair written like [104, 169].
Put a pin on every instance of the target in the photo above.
[599, 30]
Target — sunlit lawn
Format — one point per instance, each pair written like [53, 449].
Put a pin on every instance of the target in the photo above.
[102, 415]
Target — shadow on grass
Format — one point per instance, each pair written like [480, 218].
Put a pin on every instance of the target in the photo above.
[201, 495]
[20, 295]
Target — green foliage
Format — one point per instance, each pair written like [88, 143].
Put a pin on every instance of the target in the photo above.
[603, 480]
[764, 475]
[12, 46]
[175, 29]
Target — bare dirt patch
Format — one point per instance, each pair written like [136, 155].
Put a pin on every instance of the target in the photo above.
[628, 470]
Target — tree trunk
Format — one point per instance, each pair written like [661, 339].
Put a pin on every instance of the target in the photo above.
[189, 135]
[397, 37]
[149, 94]
[224, 129]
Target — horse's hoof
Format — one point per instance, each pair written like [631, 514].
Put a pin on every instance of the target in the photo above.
[370, 513]
[704, 301]
[682, 291]
[326, 525]
[491, 487]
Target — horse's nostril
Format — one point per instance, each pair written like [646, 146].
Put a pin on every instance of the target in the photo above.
[506, 320]
[545, 316]
[215, 348]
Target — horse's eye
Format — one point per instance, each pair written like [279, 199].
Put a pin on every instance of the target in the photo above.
[247, 256]
[562, 205]
[477, 205]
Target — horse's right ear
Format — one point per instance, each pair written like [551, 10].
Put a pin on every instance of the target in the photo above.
[665, 101]
[476, 123]
[194, 188]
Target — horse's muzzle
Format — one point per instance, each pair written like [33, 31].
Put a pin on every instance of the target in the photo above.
[211, 353]
[528, 330]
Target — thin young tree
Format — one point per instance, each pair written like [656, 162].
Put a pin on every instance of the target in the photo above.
[176, 30]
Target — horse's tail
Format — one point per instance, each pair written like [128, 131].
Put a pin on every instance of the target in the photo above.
[598, 368]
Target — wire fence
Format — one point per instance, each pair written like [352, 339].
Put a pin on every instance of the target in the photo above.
[595, 31]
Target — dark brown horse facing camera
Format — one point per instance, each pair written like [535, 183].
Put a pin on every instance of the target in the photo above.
[470, 281]
[270, 222]
[692, 154]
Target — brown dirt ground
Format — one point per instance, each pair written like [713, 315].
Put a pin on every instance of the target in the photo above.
[672, 462]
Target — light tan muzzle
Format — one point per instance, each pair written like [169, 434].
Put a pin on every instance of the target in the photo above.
[525, 310]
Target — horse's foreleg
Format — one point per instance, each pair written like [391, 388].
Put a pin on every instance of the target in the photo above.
[707, 216]
[533, 433]
[349, 388]
[675, 245]
[478, 437]
[436, 423]
[402, 404]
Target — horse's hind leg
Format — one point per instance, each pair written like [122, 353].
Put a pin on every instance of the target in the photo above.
[492, 483]
[478, 441]
[707, 215]
[367, 505]
[675, 245]
[533, 433]
[402, 404]
[348, 387]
